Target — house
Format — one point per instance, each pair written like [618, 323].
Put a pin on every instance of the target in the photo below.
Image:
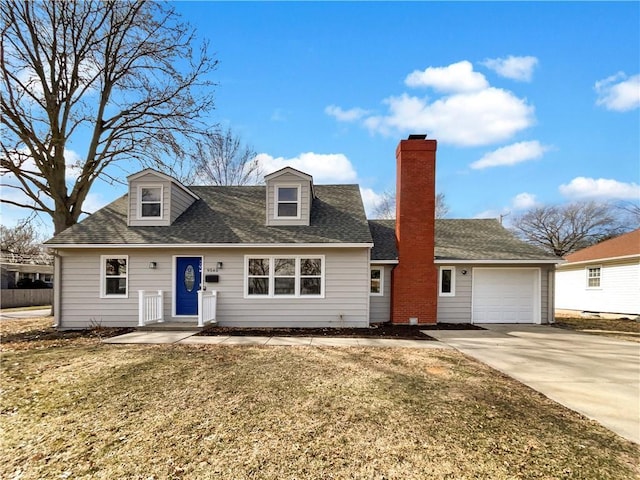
[17, 273]
[293, 253]
[602, 278]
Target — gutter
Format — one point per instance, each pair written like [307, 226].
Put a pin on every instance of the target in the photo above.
[441, 261]
[206, 245]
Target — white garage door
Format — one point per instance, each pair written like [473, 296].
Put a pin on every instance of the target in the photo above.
[506, 295]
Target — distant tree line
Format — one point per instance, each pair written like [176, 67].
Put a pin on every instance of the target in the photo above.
[563, 229]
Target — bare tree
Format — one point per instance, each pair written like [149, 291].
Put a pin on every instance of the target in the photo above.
[386, 206]
[111, 80]
[562, 229]
[631, 212]
[221, 159]
[22, 244]
[442, 208]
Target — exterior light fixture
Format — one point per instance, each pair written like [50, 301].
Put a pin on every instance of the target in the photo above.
[218, 266]
[152, 265]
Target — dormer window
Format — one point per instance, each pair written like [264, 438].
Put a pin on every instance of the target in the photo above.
[150, 201]
[288, 204]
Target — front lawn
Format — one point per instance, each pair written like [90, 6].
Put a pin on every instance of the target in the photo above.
[81, 409]
[621, 328]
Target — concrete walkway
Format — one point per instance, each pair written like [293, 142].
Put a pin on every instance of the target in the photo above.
[594, 375]
[11, 314]
[189, 338]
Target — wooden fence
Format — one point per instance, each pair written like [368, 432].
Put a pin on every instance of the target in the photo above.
[25, 297]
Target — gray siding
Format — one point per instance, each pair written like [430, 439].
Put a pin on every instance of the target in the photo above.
[179, 202]
[457, 309]
[346, 301]
[289, 179]
[380, 306]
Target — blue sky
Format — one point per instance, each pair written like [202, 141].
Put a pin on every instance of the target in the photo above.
[531, 103]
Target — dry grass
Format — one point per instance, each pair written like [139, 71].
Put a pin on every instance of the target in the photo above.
[82, 409]
[620, 328]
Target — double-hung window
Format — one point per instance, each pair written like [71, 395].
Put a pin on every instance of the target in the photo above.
[593, 277]
[375, 285]
[447, 281]
[114, 276]
[287, 202]
[290, 276]
[150, 201]
[258, 276]
[284, 276]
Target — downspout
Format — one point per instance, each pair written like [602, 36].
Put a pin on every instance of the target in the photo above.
[551, 296]
[57, 290]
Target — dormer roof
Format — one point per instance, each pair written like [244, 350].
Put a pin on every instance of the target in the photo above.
[289, 170]
[161, 176]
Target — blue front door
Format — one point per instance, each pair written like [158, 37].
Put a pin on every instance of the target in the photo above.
[188, 276]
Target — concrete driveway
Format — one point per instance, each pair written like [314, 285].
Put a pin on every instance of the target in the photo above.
[594, 375]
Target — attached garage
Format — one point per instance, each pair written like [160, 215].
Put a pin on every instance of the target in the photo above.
[485, 273]
[506, 295]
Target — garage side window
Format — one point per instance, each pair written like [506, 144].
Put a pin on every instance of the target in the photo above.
[376, 287]
[593, 277]
[447, 281]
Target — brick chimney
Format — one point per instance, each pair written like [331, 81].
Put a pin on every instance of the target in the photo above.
[414, 293]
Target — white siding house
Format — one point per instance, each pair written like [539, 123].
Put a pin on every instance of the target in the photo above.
[603, 278]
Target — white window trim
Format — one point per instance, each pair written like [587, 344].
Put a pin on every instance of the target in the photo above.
[103, 276]
[586, 272]
[272, 277]
[452, 293]
[139, 206]
[381, 293]
[276, 202]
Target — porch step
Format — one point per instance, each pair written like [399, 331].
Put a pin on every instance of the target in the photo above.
[170, 326]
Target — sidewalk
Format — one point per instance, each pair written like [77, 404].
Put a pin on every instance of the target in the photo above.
[190, 338]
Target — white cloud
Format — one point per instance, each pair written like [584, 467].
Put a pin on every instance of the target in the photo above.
[341, 115]
[618, 92]
[324, 168]
[93, 203]
[370, 199]
[456, 78]
[511, 155]
[515, 68]
[521, 201]
[466, 119]
[601, 188]
[469, 112]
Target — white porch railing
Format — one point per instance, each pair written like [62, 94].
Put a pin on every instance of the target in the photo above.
[150, 307]
[207, 304]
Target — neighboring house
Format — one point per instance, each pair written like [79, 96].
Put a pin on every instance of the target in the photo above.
[18, 269]
[603, 278]
[292, 253]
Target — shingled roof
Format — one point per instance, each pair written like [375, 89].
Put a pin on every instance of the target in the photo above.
[625, 245]
[229, 215]
[472, 240]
